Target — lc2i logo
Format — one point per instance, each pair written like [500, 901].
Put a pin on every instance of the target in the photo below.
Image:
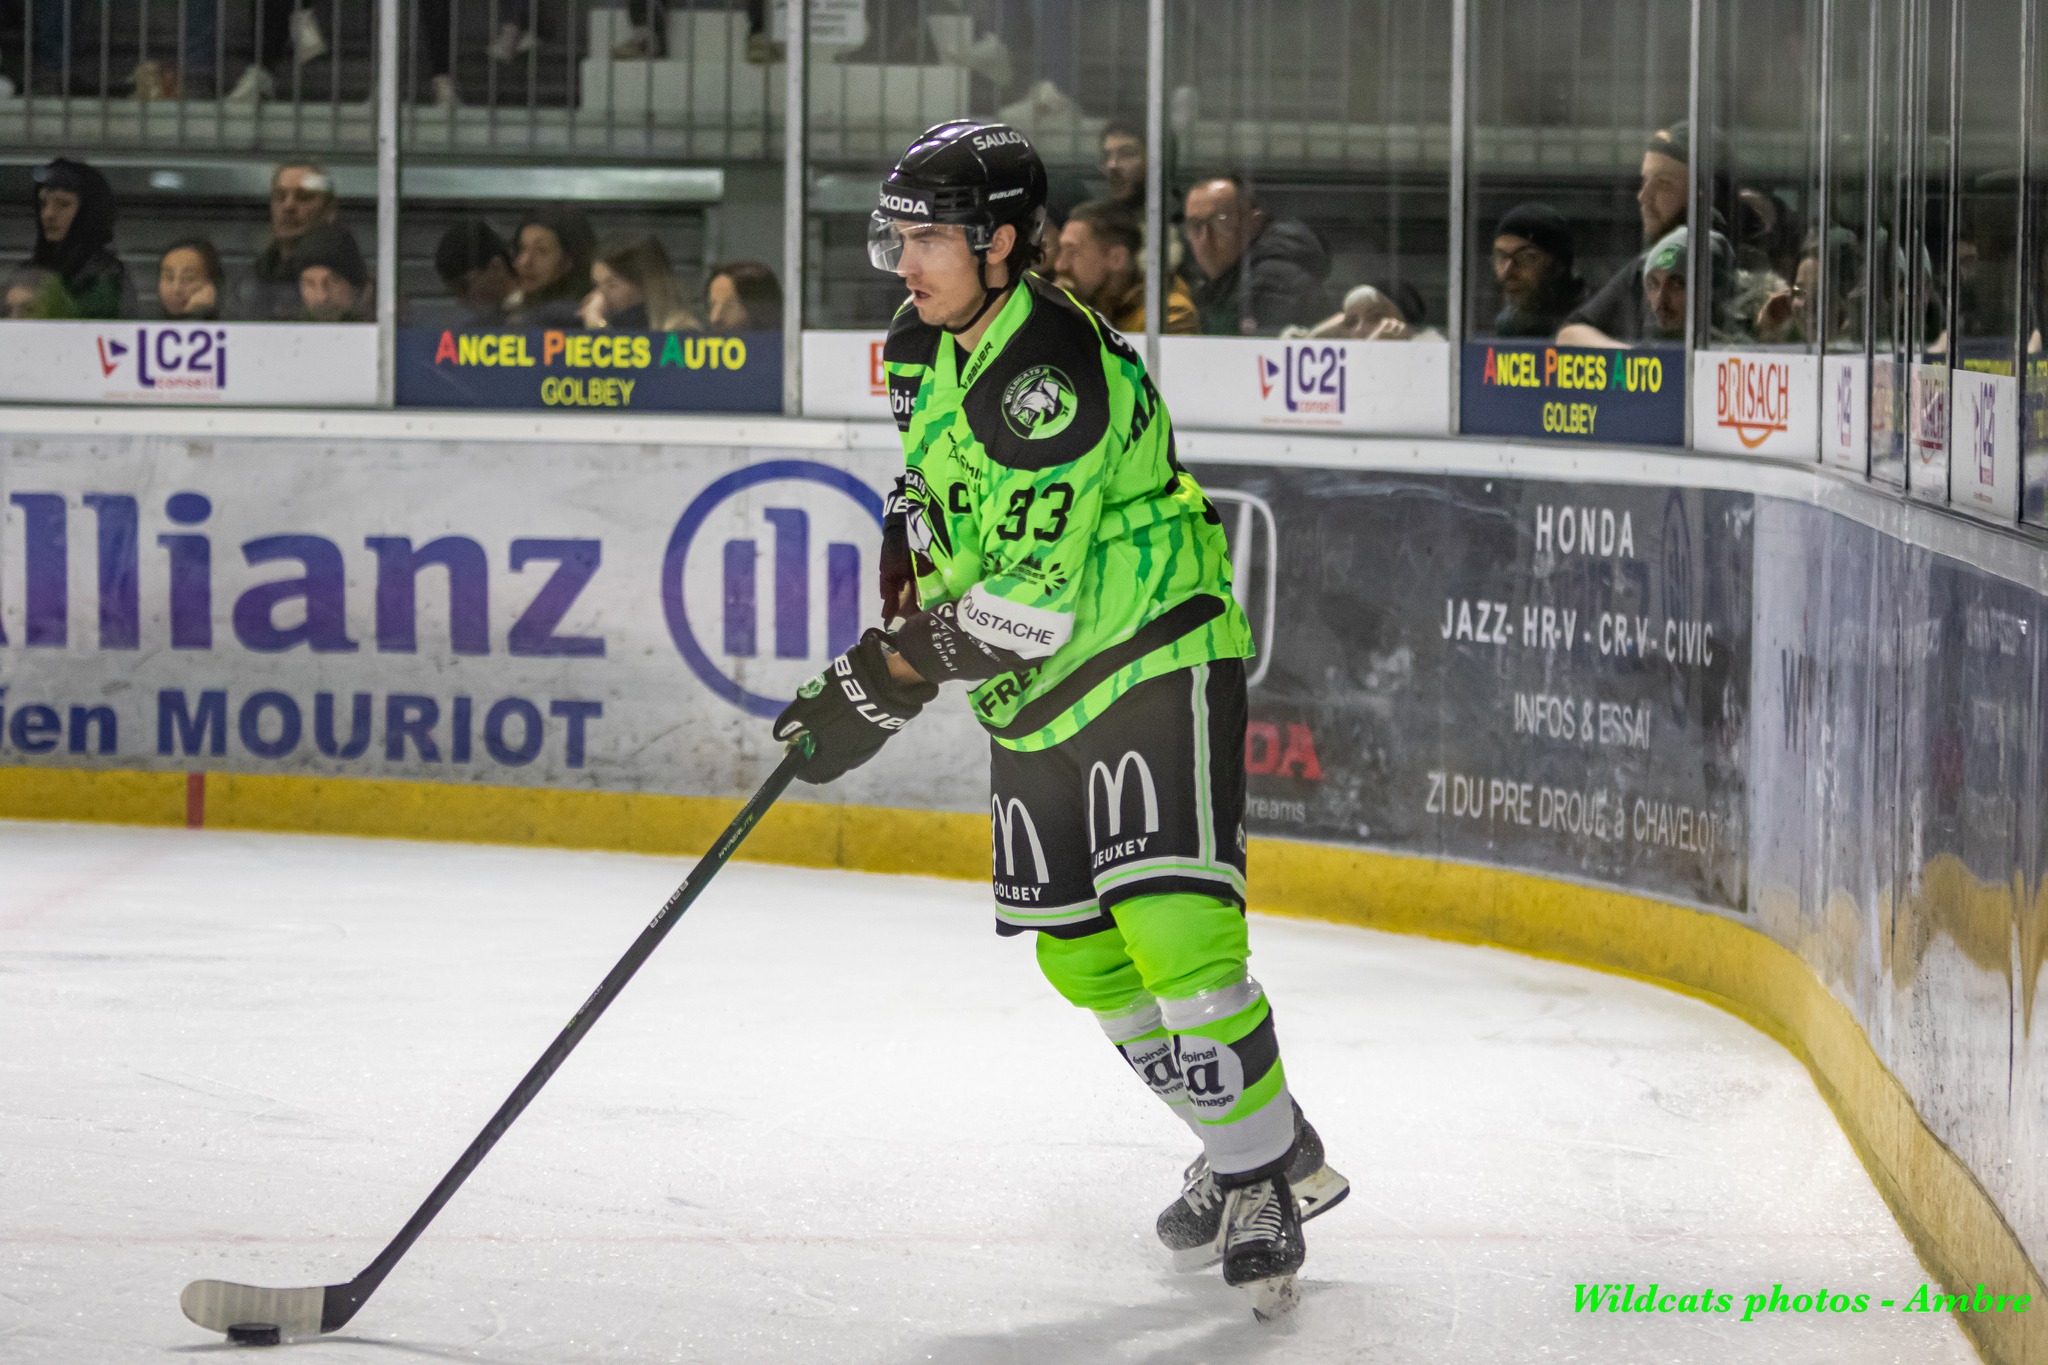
[811, 527]
[1309, 379]
[1845, 408]
[1984, 432]
[169, 357]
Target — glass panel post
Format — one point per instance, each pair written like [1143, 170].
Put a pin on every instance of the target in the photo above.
[387, 201]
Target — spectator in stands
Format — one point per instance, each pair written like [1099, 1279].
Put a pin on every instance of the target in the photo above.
[1102, 263]
[334, 284]
[31, 293]
[1664, 285]
[476, 266]
[75, 240]
[1532, 264]
[283, 28]
[1392, 311]
[634, 289]
[552, 252]
[1123, 166]
[301, 198]
[1789, 313]
[1252, 277]
[1620, 313]
[743, 296]
[188, 281]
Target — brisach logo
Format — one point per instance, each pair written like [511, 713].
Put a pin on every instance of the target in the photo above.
[878, 374]
[1309, 379]
[1752, 398]
[189, 358]
[763, 634]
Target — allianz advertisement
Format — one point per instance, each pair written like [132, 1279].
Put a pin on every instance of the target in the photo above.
[216, 364]
[565, 616]
[586, 371]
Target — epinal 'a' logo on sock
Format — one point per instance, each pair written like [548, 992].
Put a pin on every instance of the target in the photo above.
[1040, 403]
[1212, 1073]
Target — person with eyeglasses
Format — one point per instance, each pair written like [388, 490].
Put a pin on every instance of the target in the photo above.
[1532, 265]
[1251, 276]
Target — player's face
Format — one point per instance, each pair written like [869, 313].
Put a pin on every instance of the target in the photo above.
[939, 270]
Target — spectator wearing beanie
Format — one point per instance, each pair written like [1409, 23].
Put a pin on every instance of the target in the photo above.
[1532, 263]
[333, 281]
[476, 266]
[74, 241]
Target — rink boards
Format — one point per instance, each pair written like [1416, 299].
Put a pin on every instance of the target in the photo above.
[1749, 730]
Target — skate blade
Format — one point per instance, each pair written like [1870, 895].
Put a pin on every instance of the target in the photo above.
[1188, 1260]
[1319, 1193]
[1273, 1298]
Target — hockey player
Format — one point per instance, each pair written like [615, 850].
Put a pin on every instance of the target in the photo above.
[1045, 547]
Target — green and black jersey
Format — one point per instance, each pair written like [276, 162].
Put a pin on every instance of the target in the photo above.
[1046, 500]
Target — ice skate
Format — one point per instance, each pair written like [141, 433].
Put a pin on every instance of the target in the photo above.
[1192, 1225]
[1263, 1245]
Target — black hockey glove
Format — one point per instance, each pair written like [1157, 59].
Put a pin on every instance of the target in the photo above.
[851, 709]
[940, 650]
[898, 571]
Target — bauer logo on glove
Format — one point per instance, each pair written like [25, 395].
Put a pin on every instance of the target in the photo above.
[851, 709]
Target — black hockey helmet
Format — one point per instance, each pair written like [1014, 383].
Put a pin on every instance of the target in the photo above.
[967, 172]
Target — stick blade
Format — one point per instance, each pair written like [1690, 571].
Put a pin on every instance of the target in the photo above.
[218, 1305]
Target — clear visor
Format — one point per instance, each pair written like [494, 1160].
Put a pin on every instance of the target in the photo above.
[885, 241]
[892, 240]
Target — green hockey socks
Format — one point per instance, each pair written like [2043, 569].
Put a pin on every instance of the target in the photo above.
[1169, 986]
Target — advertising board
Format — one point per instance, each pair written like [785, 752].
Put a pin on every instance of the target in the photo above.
[1573, 393]
[1756, 403]
[603, 371]
[264, 364]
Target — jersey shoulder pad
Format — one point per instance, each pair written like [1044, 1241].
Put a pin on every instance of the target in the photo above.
[1045, 400]
[908, 355]
[912, 341]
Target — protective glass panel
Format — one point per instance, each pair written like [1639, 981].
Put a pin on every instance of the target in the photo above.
[1567, 99]
[1891, 274]
[2033, 263]
[1763, 276]
[1069, 77]
[1334, 120]
[1834, 306]
[1984, 441]
[1929, 241]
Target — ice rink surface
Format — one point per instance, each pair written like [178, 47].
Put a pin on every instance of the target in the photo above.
[837, 1120]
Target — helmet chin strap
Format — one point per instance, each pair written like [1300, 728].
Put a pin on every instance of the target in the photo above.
[988, 295]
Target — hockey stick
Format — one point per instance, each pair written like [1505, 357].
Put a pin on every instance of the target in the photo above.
[256, 1315]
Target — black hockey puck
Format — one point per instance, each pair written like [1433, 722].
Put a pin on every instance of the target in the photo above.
[254, 1334]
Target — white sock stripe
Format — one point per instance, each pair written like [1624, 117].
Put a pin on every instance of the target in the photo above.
[1123, 1026]
[1197, 1010]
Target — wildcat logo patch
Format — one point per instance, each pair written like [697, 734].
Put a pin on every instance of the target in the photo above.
[1040, 403]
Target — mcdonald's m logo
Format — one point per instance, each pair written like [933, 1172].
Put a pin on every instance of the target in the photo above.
[1113, 793]
[1005, 818]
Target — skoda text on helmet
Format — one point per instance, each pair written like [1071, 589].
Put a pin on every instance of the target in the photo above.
[973, 175]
